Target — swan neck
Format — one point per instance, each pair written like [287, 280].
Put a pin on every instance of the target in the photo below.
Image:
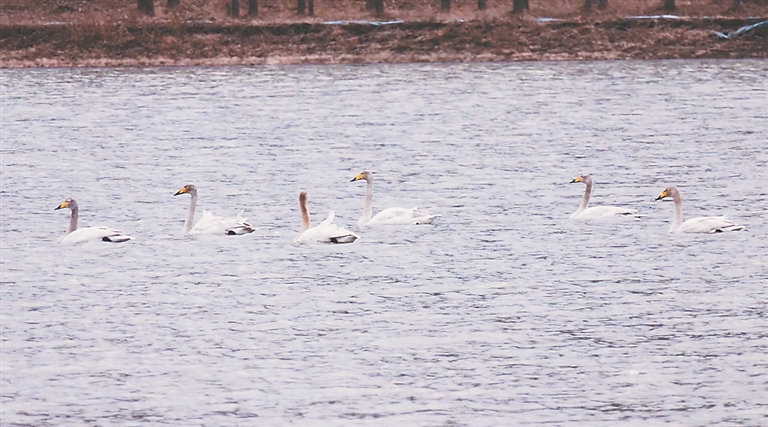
[368, 209]
[585, 199]
[191, 213]
[305, 221]
[73, 220]
[677, 218]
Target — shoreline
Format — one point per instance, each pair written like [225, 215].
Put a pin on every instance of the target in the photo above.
[168, 43]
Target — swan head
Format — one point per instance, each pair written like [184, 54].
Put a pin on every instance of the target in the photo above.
[586, 179]
[668, 192]
[69, 203]
[303, 197]
[364, 175]
[189, 188]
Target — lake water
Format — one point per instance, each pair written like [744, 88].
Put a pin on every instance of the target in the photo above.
[503, 312]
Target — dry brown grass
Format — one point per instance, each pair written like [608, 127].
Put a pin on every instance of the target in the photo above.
[282, 11]
[113, 33]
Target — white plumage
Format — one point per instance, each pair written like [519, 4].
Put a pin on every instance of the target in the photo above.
[80, 235]
[389, 216]
[597, 212]
[210, 223]
[325, 232]
[709, 224]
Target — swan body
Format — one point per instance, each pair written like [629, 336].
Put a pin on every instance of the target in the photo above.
[596, 212]
[389, 216]
[602, 212]
[80, 235]
[709, 224]
[325, 232]
[211, 224]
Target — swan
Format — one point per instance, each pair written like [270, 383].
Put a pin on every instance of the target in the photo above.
[596, 212]
[389, 216]
[709, 224]
[79, 235]
[210, 223]
[325, 232]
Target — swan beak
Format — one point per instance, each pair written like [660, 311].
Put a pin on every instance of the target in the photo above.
[577, 179]
[62, 206]
[357, 178]
[662, 195]
[182, 191]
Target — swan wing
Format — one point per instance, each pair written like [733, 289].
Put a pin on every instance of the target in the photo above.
[89, 234]
[423, 217]
[328, 220]
[218, 225]
[604, 212]
[402, 216]
[709, 224]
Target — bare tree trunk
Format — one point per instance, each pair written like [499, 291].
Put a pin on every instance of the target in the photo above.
[378, 6]
[588, 5]
[482, 4]
[173, 3]
[253, 7]
[669, 5]
[301, 7]
[736, 4]
[518, 6]
[602, 4]
[445, 5]
[369, 5]
[146, 7]
[235, 8]
[311, 6]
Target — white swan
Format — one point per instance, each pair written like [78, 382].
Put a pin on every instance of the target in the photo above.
[325, 232]
[596, 212]
[710, 224]
[79, 235]
[210, 223]
[389, 216]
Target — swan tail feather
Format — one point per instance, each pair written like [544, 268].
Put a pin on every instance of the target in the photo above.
[349, 238]
[117, 239]
[729, 226]
[244, 229]
[734, 227]
[423, 217]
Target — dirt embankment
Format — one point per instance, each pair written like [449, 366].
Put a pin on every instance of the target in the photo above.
[503, 37]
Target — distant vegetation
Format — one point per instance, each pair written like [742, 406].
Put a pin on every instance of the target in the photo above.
[24, 11]
[306, 7]
[97, 33]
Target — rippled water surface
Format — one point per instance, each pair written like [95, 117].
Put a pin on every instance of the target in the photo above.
[503, 312]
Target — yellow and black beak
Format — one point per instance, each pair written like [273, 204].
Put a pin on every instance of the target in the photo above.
[577, 179]
[357, 178]
[62, 206]
[662, 195]
[182, 191]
